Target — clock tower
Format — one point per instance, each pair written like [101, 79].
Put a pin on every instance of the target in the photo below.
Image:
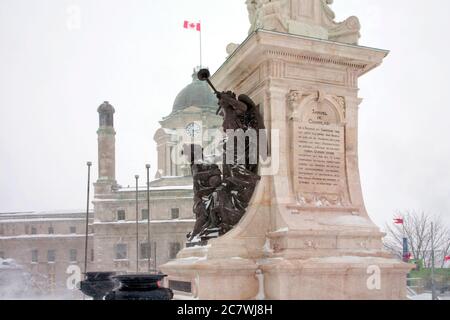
[193, 120]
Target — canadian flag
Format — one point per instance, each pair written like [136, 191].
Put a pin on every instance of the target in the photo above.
[192, 25]
[447, 258]
[399, 221]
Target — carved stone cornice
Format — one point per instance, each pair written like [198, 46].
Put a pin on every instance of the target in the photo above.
[313, 59]
[269, 54]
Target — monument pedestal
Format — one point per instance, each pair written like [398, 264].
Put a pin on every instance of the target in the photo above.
[334, 278]
[306, 233]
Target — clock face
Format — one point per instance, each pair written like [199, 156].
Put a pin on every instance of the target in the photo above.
[193, 129]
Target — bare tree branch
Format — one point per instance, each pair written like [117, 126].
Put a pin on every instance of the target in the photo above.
[417, 229]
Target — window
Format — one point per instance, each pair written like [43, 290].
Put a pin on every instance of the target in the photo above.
[175, 213]
[92, 255]
[2, 230]
[145, 250]
[121, 252]
[144, 213]
[27, 229]
[51, 230]
[33, 230]
[174, 249]
[121, 215]
[73, 255]
[73, 230]
[2, 255]
[34, 256]
[51, 256]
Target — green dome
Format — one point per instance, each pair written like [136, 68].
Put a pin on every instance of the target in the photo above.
[197, 94]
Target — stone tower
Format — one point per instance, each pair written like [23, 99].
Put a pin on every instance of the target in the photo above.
[106, 150]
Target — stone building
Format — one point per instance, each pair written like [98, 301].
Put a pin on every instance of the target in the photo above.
[47, 243]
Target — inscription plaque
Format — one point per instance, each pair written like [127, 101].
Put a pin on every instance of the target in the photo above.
[319, 158]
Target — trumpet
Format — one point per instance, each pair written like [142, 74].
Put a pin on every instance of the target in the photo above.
[204, 75]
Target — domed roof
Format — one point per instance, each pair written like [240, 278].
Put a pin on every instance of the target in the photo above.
[197, 94]
[106, 107]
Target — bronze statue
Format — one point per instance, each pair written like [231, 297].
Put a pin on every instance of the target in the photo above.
[222, 197]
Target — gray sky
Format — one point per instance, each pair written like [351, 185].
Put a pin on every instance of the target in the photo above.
[135, 54]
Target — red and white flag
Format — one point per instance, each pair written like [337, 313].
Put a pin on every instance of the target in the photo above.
[398, 221]
[192, 25]
[447, 258]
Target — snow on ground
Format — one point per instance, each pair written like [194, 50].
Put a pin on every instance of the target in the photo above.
[145, 222]
[282, 230]
[44, 236]
[427, 296]
[187, 261]
[420, 297]
[42, 220]
[40, 214]
[14, 282]
[354, 259]
[8, 264]
[350, 221]
[18, 284]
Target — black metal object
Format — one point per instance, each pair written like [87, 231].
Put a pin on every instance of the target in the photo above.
[98, 284]
[182, 286]
[203, 75]
[140, 287]
[221, 197]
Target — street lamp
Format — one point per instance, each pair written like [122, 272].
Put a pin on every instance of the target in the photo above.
[433, 283]
[149, 252]
[137, 223]
[89, 165]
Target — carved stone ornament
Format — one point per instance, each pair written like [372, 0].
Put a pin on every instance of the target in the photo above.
[313, 18]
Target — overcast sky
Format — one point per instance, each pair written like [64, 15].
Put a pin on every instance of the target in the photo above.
[55, 72]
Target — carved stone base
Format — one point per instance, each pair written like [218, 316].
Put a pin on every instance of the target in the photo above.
[223, 279]
[335, 278]
[277, 278]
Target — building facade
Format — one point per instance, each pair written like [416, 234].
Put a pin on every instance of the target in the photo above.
[47, 243]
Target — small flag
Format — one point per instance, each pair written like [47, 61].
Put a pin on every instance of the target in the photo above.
[447, 258]
[192, 25]
[399, 221]
[407, 256]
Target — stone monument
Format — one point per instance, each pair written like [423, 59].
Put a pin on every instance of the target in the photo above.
[306, 233]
